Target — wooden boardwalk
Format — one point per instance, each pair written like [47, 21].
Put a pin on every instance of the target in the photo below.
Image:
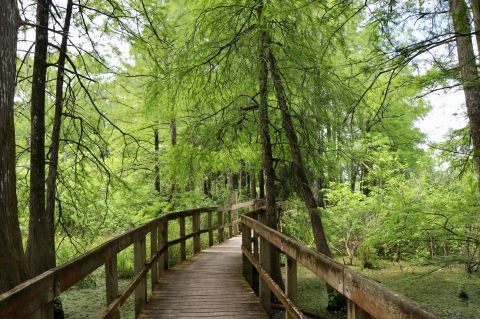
[209, 285]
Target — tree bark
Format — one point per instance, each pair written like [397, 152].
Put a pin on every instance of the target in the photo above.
[253, 187]
[271, 212]
[173, 141]
[298, 170]
[13, 268]
[469, 74]
[40, 245]
[261, 184]
[57, 122]
[476, 21]
[264, 124]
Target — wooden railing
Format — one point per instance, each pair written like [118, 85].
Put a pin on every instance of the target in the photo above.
[366, 298]
[31, 297]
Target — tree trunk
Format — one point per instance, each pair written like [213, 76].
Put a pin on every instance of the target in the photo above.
[271, 212]
[13, 268]
[261, 184]
[253, 187]
[476, 21]
[173, 132]
[469, 74]
[40, 245]
[298, 170]
[157, 166]
[57, 121]
[173, 140]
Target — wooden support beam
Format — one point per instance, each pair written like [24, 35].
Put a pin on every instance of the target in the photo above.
[230, 224]
[111, 282]
[355, 312]
[235, 222]
[221, 229]
[210, 229]
[291, 281]
[139, 251]
[153, 252]
[163, 241]
[196, 229]
[183, 246]
[265, 258]
[246, 264]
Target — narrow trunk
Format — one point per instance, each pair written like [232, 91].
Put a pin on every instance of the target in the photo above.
[57, 122]
[264, 124]
[271, 213]
[173, 132]
[12, 260]
[173, 140]
[298, 169]
[157, 166]
[469, 74]
[261, 184]
[40, 245]
[253, 187]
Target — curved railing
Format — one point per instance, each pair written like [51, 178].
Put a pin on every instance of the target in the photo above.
[366, 298]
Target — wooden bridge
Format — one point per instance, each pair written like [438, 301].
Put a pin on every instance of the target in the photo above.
[210, 284]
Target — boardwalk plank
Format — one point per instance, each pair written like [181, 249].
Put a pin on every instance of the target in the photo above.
[209, 285]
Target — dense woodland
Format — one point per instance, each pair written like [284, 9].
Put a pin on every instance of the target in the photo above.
[113, 112]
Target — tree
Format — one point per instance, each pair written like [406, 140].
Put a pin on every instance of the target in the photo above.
[13, 268]
[469, 73]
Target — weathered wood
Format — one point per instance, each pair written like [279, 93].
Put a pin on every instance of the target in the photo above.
[265, 261]
[221, 229]
[183, 246]
[247, 244]
[209, 285]
[196, 231]
[290, 307]
[111, 282]
[234, 215]
[139, 250]
[210, 229]
[163, 241]
[26, 298]
[291, 281]
[153, 252]
[355, 312]
[230, 224]
[369, 295]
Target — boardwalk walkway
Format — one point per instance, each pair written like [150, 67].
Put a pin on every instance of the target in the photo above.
[209, 285]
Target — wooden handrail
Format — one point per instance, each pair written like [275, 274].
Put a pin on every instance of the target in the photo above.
[30, 296]
[366, 297]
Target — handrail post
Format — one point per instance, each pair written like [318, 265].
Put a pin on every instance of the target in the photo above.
[221, 229]
[153, 252]
[266, 262]
[291, 281]
[196, 236]
[210, 229]
[163, 242]
[230, 224]
[139, 250]
[111, 282]
[355, 312]
[247, 243]
[183, 250]
[235, 221]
